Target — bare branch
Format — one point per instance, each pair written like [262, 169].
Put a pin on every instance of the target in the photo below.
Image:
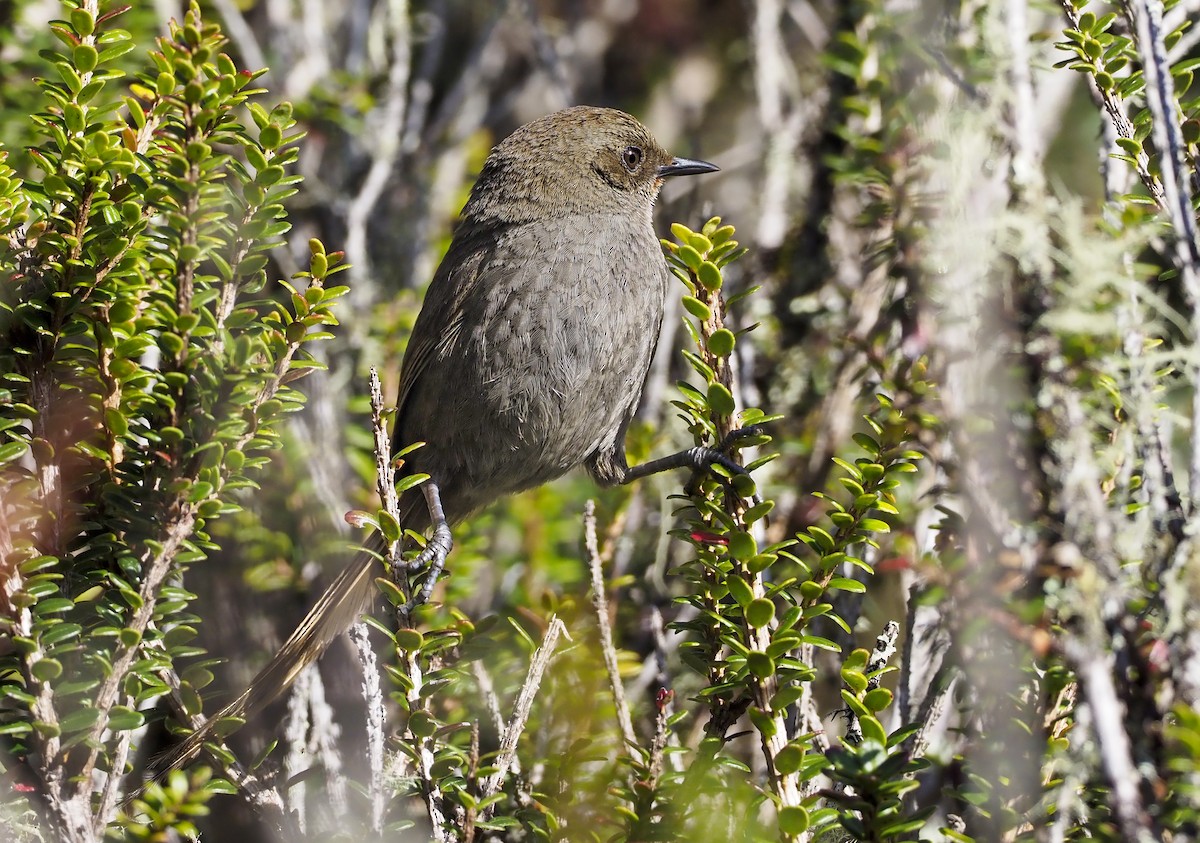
[373, 695]
[600, 606]
[521, 709]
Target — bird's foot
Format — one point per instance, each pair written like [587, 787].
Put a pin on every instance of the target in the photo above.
[433, 556]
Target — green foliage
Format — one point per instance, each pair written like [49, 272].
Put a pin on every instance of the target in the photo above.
[873, 772]
[1182, 807]
[755, 606]
[1100, 49]
[146, 368]
[163, 809]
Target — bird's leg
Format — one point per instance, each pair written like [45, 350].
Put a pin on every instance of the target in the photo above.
[433, 556]
[698, 459]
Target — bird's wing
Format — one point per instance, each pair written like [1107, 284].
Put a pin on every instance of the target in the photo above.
[442, 311]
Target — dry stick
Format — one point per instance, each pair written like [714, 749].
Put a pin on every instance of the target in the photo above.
[600, 605]
[488, 690]
[373, 694]
[929, 712]
[425, 757]
[296, 726]
[885, 648]
[521, 709]
[661, 648]
[904, 682]
[1168, 137]
[107, 807]
[385, 149]
[384, 482]
[412, 665]
[1094, 669]
[45, 763]
[312, 737]
[775, 87]
[468, 824]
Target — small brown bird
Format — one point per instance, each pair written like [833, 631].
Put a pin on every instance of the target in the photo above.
[529, 354]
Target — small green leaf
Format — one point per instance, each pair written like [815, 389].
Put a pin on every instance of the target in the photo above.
[877, 699]
[690, 257]
[874, 525]
[79, 719]
[389, 526]
[697, 308]
[680, 232]
[854, 680]
[721, 343]
[740, 590]
[847, 584]
[759, 612]
[708, 275]
[700, 243]
[1131, 146]
[793, 819]
[409, 640]
[46, 670]
[758, 511]
[390, 592]
[720, 399]
[872, 730]
[85, 57]
[122, 719]
[12, 450]
[742, 545]
[409, 481]
[422, 724]
[760, 664]
[82, 22]
[824, 541]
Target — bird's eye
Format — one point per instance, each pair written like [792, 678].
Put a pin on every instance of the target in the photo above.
[631, 157]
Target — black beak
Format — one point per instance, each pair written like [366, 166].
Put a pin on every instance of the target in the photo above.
[686, 167]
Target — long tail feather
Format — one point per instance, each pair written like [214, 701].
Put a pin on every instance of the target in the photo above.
[339, 607]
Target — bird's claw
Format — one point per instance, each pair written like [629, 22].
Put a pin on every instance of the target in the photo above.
[703, 459]
[433, 556]
[733, 437]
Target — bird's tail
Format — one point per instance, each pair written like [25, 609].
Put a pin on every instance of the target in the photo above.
[338, 608]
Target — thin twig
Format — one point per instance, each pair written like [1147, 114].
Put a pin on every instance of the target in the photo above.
[929, 713]
[373, 696]
[384, 473]
[885, 648]
[600, 604]
[425, 746]
[1095, 670]
[385, 148]
[111, 791]
[296, 726]
[521, 709]
[487, 690]
[661, 648]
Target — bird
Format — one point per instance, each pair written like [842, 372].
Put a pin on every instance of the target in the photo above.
[527, 358]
